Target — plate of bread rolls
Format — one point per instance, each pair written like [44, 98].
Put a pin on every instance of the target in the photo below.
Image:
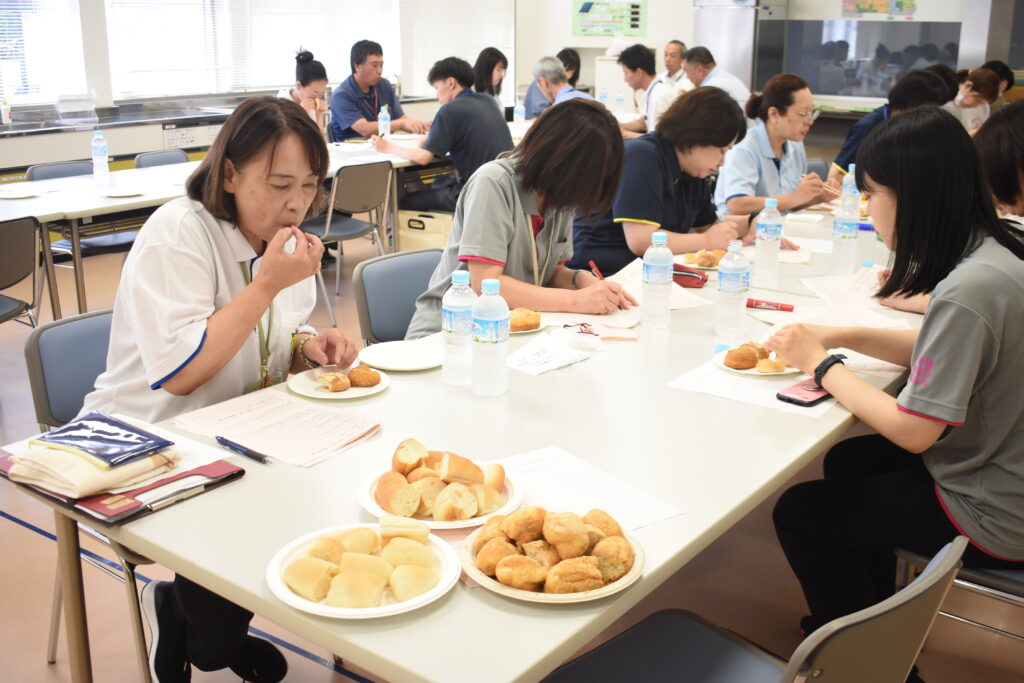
[364, 571]
[357, 382]
[753, 359]
[705, 259]
[552, 557]
[439, 488]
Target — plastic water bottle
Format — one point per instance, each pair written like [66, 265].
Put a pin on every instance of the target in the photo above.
[457, 330]
[519, 112]
[384, 121]
[620, 102]
[602, 96]
[489, 375]
[733, 284]
[846, 226]
[100, 159]
[769, 237]
[654, 310]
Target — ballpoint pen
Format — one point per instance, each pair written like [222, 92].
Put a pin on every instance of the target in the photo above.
[242, 450]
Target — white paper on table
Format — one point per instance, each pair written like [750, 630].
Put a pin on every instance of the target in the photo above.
[544, 353]
[805, 217]
[626, 317]
[282, 426]
[632, 280]
[817, 246]
[857, 288]
[760, 391]
[798, 256]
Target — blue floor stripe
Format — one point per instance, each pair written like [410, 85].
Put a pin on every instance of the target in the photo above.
[144, 579]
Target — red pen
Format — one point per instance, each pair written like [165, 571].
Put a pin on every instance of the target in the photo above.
[770, 305]
[595, 270]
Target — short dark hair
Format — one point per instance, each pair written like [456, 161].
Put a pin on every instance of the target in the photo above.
[983, 81]
[778, 93]
[451, 67]
[1000, 143]
[308, 69]
[918, 88]
[256, 124]
[483, 70]
[681, 44]
[943, 206]
[572, 156]
[638, 57]
[570, 59]
[701, 117]
[948, 77]
[881, 52]
[1002, 70]
[361, 50]
[699, 55]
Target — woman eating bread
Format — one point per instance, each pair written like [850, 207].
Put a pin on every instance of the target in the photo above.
[513, 220]
[947, 458]
[213, 302]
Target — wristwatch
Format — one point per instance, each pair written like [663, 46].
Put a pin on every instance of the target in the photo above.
[826, 365]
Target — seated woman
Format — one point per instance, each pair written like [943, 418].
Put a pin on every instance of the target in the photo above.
[947, 458]
[664, 188]
[770, 161]
[977, 91]
[309, 88]
[213, 303]
[489, 72]
[513, 220]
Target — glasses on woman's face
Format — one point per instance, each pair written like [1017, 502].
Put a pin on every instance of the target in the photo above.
[809, 116]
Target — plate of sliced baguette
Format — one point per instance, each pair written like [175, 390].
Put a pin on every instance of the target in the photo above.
[440, 488]
[364, 571]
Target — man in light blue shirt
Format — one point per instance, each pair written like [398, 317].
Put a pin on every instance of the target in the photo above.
[551, 80]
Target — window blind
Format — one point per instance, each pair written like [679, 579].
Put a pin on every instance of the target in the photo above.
[40, 51]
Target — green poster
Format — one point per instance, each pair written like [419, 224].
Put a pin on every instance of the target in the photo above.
[602, 18]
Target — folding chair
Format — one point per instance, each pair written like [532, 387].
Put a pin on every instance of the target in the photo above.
[19, 259]
[163, 157]
[386, 290]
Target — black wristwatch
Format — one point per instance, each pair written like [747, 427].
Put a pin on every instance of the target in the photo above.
[752, 217]
[826, 365]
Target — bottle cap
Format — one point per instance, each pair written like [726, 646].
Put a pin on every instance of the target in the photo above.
[735, 245]
[853, 169]
[490, 286]
[771, 203]
[867, 263]
[659, 239]
[460, 277]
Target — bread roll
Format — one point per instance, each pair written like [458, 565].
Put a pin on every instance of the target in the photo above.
[455, 502]
[434, 459]
[396, 495]
[603, 521]
[566, 532]
[361, 562]
[769, 365]
[596, 536]
[490, 529]
[690, 259]
[401, 527]
[327, 548]
[706, 260]
[741, 358]
[525, 524]
[334, 381]
[574, 575]
[386, 481]
[428, 488]
[411, 580]
[520, 572]
[494, 476]
[522, 319]
[402, 551]
[614, 557]
[488, 500]
[310, 577]
[409, 455]
[363, 376]
[421, 473]
[491, 553]
[361, 540]
[356, 589]
[455, 468]
[542, 552]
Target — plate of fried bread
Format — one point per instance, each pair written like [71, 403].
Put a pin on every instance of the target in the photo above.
[331, 383]
[552, 557]
[364, 571]
[525, 321]
[705, 259]
[752, 359]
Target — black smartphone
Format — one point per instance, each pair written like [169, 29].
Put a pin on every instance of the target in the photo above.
[805, 393]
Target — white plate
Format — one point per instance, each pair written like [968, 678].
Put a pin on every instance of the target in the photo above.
[448, 569]
[720, 362]
[404, 356]
[543, 324]
[125, 192]
[513, 499]
[306, 384]
[635, 572]
[16, 194]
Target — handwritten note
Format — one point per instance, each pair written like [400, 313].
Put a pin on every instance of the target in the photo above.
[627, 317]
[632, 280]
[858, 288]
[544, 353]
[760, 391]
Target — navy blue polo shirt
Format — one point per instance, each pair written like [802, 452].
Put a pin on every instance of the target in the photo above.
[859, 131]
[472, 130]
[349, 104]
[655, 191]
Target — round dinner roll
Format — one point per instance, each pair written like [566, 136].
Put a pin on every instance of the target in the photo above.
[490, 529]
[603, 521]
[360, 562]
[411, 580]
[525, 524]
[574, 575]
[455, 502]
[409, 455]
[363, 376]
[429, 488]
[741, 358]
[614, 557]
[520, 572]
[596, 536]
[310, 577]
[566, 532]
[356, 589]
[491, 553]
[494, 475]
[361, 540]
[327, 548]
[455, 468]
[334, 381]
[488, 499]
[522, 319]
[542, 552]
[422, 473]
[401, 551]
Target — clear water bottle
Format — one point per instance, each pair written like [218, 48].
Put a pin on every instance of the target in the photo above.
[733, 284]
[519, 112]
[602, 96]
[489, 374]
[384, 121]
[846, 226]
[457, 330]
[100, 159]
[654, 310]
[620, 102]
[766, 244]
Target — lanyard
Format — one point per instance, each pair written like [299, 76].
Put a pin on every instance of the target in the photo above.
[534, 251]
[263, 335]
[376, 103]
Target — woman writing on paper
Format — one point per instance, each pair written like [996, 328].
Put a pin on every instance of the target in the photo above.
[213, 302]
[309, 88]
[513, 220]
[948, 458]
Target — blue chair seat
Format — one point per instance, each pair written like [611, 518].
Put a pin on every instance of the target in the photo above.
[114, 243]
[343, 227]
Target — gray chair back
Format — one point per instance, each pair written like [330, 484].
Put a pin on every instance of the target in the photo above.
[18, 256]
[64, 359]
[879, 643]
[818, 166]
[360, 188]
[59, 169]
[163, 157]
[386, 290]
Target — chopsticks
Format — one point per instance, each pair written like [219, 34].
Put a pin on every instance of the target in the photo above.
[833, 190]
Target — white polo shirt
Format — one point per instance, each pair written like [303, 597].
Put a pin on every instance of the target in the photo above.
[679, 82]
[729, 83]
[654, 102]
[185, 266]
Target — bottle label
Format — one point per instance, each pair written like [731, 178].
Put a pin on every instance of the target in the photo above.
[734, 282]
[457, 321]
[490, 331]
[845, 229]
[769, 231]
[657, 275]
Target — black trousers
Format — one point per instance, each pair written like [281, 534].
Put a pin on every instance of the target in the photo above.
[839, 533]
[215, 628]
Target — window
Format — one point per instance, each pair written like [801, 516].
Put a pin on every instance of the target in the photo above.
[40, 50]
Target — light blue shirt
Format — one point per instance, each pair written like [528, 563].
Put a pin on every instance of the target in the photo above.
[571, 93]
[535, 103]
[750, 169]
